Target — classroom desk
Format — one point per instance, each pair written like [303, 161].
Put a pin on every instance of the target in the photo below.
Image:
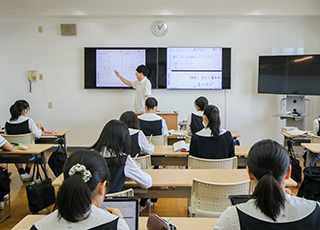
[184, 223]
[177, 183]
[174, 138]
[171, 118]
[312, 154]
[288, 139]
[164, 155]
[26, 156]
[56, 138]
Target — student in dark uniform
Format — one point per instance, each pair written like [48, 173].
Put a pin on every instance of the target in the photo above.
[195, 122]
[81, 196]
[139, 141]
[150, 122]
[19, 123]
[212, 142]
[271, 205]
[114, 145]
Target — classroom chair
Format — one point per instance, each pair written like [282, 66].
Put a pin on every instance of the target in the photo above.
[128, 192]
[315, 139]
[211, 199]
[159, 140]
[144, 162]
[27, 138]
[203, 163]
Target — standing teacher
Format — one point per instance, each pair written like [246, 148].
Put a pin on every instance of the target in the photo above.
[142, 87]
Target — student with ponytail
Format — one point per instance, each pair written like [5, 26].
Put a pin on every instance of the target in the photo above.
[270, 207]
[20, 124]
[212, 142]
[195, 122]
[81, 195]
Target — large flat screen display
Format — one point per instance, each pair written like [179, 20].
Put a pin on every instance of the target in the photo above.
[289, 74]
[198, 68]
[100, 64]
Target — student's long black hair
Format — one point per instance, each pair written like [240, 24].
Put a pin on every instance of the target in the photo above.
[201, 102]
[130, 119]
[115, 138]
[74, 197]
[269, 162]
[212, 113]
[17, 108]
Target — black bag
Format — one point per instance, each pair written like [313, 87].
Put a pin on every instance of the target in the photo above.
[40, 193]
[296, 168]
[4, 182]
[310, 187]
[56, 161]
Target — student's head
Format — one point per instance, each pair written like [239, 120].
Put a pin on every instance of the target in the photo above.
[268, 166]
[151, 104]
[211, 119]
[20, 107]
[142, 71]
[115, 138]
[130, 119]
[200, 103]
[85, 177]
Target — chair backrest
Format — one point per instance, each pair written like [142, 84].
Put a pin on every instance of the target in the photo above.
[27, 138]
[188, 139]
[315, 139]
[203, 163]
[128, 192]
[211, 199]
[159, 140]
[144, 161]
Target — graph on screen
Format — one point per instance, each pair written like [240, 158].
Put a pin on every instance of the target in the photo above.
[123, 61]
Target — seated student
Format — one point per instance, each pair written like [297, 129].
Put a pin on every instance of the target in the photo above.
[20, 124]
[114, 145]
[212, 142]
[150, 122]
[195, 122]
[316, 125]
[4, 183]
[81, 195]
[139, 141]
[270, 207]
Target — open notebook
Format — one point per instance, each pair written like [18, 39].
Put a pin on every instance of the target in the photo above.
[129, 207]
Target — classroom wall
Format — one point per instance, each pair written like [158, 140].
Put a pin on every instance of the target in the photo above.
[249, 29]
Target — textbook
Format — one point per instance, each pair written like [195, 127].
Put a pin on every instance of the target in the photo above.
[181, 146]
[174, 132]
[294, 131]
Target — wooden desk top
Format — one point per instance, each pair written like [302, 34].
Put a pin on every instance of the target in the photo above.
[32, 149]
[161, 150]
[313, 147]
[234, 134]
[180, 222]
[290, 136]
[60, 132]
[184, 177]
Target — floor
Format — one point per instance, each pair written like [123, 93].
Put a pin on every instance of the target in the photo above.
[19, 203]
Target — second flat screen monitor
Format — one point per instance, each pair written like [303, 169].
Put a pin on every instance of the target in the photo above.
[194, 68]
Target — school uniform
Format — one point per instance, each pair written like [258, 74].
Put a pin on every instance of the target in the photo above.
[22, 125]
[195, 122]
[316, 124]
[143, 89]
[2, 141]
[98, 219]
[298, 213]
[130, 170]
[151, 123]
[203, 145]
[139, 143]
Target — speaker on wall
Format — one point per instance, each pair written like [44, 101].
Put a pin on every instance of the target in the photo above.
[68, 29]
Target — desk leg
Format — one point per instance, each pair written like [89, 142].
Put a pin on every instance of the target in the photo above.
[63, 143]
[44, 161]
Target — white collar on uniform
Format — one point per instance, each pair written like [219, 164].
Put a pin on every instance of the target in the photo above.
[149, 117]
[133, 131]
[140, 82]
[198, 113]
[206, 132]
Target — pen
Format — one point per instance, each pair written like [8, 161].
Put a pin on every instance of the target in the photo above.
[169, 221]
[136, 157]
[150, 138]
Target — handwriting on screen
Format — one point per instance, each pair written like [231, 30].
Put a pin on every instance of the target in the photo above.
[194, 68]
[123, 61]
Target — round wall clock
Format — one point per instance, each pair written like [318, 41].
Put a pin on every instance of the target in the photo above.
[159, 28]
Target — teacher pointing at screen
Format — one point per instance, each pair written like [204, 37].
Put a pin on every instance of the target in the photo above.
[142, 86]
